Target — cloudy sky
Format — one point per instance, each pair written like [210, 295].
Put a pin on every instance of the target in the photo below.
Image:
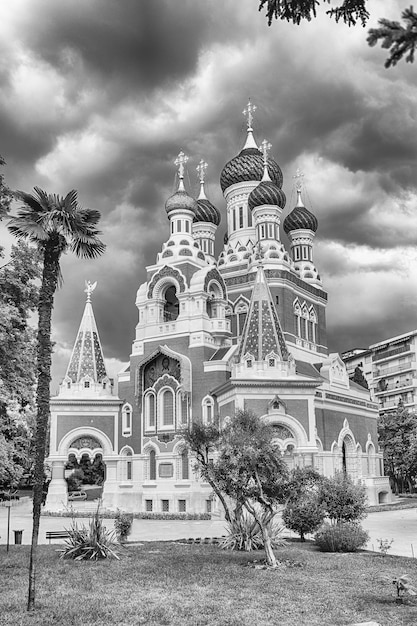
[101, 95]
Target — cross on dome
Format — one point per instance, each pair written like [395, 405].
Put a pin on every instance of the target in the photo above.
[248, 113]
[180, 161]
[265, 148]
[201, 169]
[298, 176]
[89, 288]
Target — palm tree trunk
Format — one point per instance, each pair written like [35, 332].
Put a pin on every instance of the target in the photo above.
[44, 349]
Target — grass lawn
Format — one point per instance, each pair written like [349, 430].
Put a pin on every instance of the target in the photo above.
[169, 583]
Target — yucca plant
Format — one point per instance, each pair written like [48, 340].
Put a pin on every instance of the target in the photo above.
[243, 533]
[92, 543]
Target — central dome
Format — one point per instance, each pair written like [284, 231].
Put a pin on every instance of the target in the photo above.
[249, 165]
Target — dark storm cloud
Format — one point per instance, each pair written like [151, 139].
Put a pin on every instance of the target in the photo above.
[135, 44]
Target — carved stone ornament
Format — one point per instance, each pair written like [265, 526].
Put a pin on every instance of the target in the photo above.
[213, 274]
[90, 443]
[164, 273]
[277, 404]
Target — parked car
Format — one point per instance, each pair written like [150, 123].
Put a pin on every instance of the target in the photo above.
[79, 496]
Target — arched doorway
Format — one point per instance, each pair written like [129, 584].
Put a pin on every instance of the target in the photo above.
[85, 469]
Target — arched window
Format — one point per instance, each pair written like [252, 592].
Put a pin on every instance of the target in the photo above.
[182, 407]
[150, 412]
[312, 322]
[126, 464]
[167, 408]
[297, 314]
[127, 420]
[208, 410]
[171, 304]
[304, 320]
[152, 465]
[185, 469]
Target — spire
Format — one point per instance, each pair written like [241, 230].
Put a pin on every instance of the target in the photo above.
[262, 334]
[265, 148]
[248, 113]
[87, 355]
[180, 161]
[201, 169]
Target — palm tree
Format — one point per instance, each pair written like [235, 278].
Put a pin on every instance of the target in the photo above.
[55, 225]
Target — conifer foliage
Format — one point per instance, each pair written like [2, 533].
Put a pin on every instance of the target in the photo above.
[400, 39]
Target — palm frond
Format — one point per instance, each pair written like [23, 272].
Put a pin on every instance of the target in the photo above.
[87, 248]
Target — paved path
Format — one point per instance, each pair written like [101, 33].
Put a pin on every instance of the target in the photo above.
[142, 530]
[399, 525]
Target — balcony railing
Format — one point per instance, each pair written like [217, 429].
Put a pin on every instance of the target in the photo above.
[380, 372]
[386, 354]
[393, 385]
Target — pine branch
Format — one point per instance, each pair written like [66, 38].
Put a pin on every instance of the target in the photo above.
[400, 40]
[349, 11]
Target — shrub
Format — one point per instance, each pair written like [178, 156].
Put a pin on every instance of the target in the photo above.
[243, 533]
[341, 537]
[304, 515]
[92, 543]
[123, 525]
[342, 499]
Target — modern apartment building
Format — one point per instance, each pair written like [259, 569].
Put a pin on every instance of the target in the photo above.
[390, 368]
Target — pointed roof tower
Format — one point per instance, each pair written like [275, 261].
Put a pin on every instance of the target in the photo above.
[262, 333]
[87, 354]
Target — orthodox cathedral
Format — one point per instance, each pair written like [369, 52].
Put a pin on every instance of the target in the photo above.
[246, 330]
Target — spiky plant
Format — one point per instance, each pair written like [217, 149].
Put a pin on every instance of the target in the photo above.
[243, 533]
[89, 544]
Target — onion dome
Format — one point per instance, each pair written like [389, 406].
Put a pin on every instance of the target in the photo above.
[249, 165]
[300, 218]
[180, 200]
[206, 212]
[266, 193]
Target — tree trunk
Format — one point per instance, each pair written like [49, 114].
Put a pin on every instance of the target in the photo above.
[46, 299]
[269, 553]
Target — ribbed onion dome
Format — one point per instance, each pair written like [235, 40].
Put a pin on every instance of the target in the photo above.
[249, 165]
[180, 200]
[206, 212]
[300, 217]
[266, 193]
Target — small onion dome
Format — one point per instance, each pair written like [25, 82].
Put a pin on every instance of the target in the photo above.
[266, 193]
[180, 200]
[249, 165]
[300, 218]
[206, 212]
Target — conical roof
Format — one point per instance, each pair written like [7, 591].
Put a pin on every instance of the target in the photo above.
[87, 354]
[262, 333]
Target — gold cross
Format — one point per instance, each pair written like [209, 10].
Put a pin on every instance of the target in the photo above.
[248, 112]
[201, 169]
[180, 161]
[265, 148]
[298, 178]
